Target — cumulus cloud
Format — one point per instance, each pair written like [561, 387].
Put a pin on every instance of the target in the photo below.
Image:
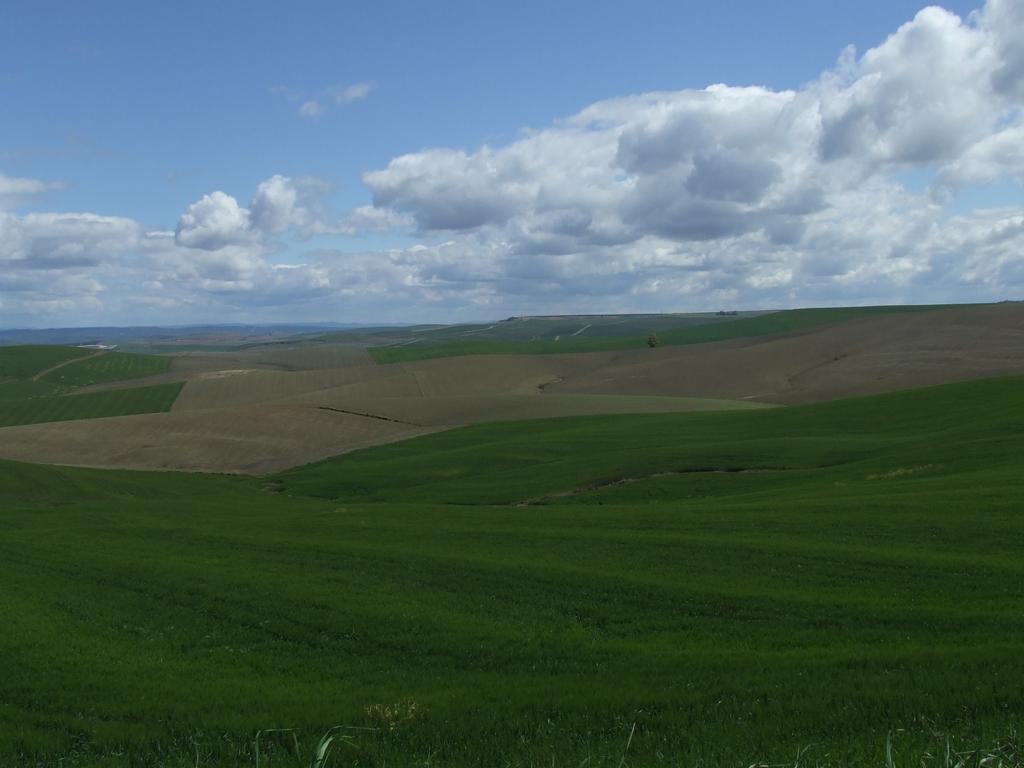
[685, 165]
[44, 241]
[280, 204]
[693, 199]
[213, 222]
[273, 207]
[370, 218]
[448, 189]
[219, 259]
[921, 97]
[1003, 22]
[745, 192]
[986, 161]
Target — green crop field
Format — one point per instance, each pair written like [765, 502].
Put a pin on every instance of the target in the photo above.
[37, 384]
[27, 360]
[118, 402]
[108, 367]
[720, 329]
[783, 586]
[23, 389]
[526, 329]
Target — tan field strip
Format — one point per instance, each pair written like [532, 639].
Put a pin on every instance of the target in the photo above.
[271, 358]
[276, 406]
[862, 357]
[237, 440]
[269, 437]
[236, 386]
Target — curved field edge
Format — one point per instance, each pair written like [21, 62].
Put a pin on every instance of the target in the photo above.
[123, 402]
[512, 462]
[822, 576]
[785, 321]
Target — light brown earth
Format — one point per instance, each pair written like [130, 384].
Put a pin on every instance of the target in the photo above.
[272, 407]
[861, 357]
[247, 439]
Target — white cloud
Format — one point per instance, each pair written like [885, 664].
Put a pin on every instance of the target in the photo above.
[693, 199]
[311, 109]
[1003, 22]
[985, 162]
[213, 222]
[369, 218]
[448, 189]
[282, 203]
[773, 197]
[48, 241]
[346, 94]
[273, 208]
[919, 98]
[16, 191]
[315, 106]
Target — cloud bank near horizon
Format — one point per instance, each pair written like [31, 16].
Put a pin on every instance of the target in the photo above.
[843, 191]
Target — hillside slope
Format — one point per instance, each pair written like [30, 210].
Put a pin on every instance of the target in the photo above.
[266, 409]
[715, 589]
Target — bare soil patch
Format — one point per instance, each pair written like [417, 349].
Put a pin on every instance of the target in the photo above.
[862, 357]
[252, 440]
[277, 406]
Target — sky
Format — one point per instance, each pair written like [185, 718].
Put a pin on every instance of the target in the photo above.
[233, 162]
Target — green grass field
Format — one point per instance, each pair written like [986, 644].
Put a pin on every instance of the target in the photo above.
[24, 389]
[720, 330]
[118, 402]
[731, 588]
[524, 329]
[32, 393]
[27, 360]
[108, 367]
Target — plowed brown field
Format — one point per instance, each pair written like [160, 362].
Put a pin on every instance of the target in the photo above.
[861, 357]
[271, 407]
[255, 440]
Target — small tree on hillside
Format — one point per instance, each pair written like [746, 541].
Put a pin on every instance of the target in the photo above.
[652, 339]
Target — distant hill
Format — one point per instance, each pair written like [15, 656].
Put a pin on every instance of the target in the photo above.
[152, 333]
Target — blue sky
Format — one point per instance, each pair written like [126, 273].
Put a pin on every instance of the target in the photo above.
[400, 134]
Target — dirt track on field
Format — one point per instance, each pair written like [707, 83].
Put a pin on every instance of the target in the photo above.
[268, 408]
[58, 366]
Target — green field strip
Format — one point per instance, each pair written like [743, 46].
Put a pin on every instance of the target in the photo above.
[525, 329]
[108, 367]
[121, 402]
[785, 321]
[23, 389]
[27, 360]
[807, 580]
[518, 461]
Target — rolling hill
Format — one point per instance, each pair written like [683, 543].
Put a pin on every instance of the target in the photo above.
[728, 588]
